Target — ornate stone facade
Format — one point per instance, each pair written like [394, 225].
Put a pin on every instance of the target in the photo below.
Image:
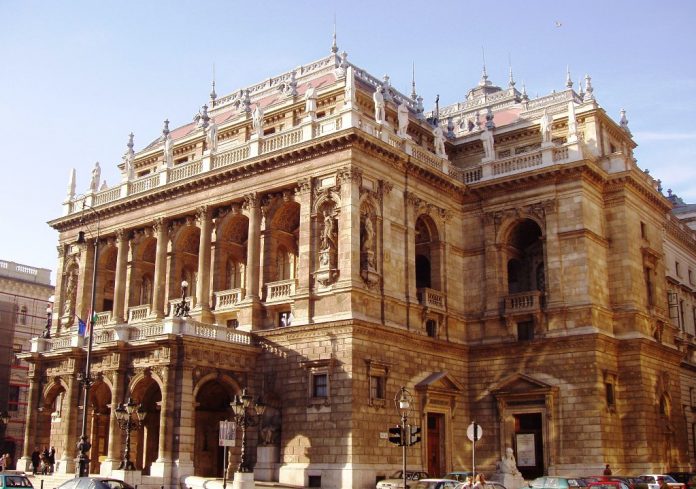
[332, 258]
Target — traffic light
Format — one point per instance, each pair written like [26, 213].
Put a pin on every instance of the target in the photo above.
[414, 435]
[395, 436]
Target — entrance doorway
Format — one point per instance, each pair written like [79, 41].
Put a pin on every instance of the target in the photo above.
[529, 445]
[436, 444]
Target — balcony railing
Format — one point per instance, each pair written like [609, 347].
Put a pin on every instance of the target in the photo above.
[103, 318]
[228, 299]
[523, 302]
[433, 299]
[138, 313]
[280, 291]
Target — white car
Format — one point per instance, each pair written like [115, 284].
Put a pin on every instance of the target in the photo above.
[396, 480]
[435, 484]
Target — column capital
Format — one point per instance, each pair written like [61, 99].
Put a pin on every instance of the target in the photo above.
[251, 200]
[203, 213]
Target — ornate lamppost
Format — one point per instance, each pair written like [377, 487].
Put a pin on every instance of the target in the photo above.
[403, 401]
[127, 422]
[83, 445]
[247, 412]
[181, 310]
[49, 319]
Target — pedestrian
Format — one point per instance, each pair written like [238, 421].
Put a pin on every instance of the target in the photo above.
[44, 461]
[51, 459]
[469, 482]
[661, 483]
[480, 481]
[2, 462]
[607, 470]
[35, 460]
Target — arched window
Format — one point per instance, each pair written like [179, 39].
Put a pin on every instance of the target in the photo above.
[525, 264]
[146, 290]
[283, 263]
[23, 315]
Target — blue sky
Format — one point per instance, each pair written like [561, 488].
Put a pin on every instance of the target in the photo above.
[77, 76]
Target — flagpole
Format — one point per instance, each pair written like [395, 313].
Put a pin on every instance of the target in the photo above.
[83, 444]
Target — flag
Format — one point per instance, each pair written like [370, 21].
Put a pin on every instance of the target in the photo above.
[81, 326]
[91, 324]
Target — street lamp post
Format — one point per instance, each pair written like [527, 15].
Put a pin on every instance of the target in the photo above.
[49, 316]
[124, 416]
[403, 402]
[83, 445]
[181, 310]
[246, 411]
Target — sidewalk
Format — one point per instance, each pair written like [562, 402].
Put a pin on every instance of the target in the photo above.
[54, 480]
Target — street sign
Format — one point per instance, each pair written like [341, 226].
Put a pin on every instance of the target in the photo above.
[474, 432]
[228, 432]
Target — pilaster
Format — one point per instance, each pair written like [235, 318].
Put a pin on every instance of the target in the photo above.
[159, 285]
[203, 216]
[301, 310]
[349, 179]
[117, 314]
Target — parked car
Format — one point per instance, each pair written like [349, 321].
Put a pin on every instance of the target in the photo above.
[458, 475]
[651, 480]
[487, 485]
[688, 478]
[553, 482]
[435, 484]
[608, 484]
[94, 483]
[631, 482]
[14, 478]
[396, 480]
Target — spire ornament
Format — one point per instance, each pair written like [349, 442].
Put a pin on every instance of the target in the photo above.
[569, 82]
[589, 96]
[334, 45]
[414, 95]
[623, 121]
[71, 184]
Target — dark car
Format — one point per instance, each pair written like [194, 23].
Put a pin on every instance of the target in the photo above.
[94, 483]
[686, 478]
[608, 484]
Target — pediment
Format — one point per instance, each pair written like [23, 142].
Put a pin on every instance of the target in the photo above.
[439, 381]
[520, 384]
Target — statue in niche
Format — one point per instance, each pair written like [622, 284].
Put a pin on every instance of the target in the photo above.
[270, 427]
[439, 142]
[311, 100]
[328, 234]
[368, 242]
[545, 127]
[488, 143]
[70, 293]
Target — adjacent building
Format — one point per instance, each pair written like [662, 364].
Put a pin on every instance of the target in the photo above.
[26, 300]
[321, 240]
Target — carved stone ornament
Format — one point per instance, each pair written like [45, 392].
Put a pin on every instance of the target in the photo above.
[304, 185]
[348, 175]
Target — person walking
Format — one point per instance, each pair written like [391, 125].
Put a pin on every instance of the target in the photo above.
[607, 470]
[35, 460]
[51, 459]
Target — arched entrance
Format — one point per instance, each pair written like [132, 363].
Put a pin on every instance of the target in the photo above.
[145, 441]
[212, 406]
[98, 423]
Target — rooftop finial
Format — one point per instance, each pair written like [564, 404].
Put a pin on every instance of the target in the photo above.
[524, 92]
[165, 129]
[213, 95]
[414, 95]
[71, 184]
[334, 46]
[623, 121]
[569, 82]
[511, 81]
[588, 89]
[484, 76]
[581, 92]
[130, 143]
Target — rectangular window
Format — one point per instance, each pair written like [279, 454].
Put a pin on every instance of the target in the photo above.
[677, 268]
[525, 331]
[648, 287]
[431, 328]
[320, 385]
[313, 481]
[691, 277]
[376, 387]
[232, 323]
[609, 392]
[643, 231]
[284, 319]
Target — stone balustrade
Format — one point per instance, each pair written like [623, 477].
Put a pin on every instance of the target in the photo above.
[430, 298]
[280, 291]
[523, 302]
[227, 299]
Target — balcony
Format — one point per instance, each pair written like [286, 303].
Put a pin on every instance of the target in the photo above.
[432, 299]
[138, 313]
[280, 291]
[529, 302]
[226, 300]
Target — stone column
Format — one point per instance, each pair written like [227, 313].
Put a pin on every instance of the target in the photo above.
[413, 203]
[303, 194]
[117, 315]
[113, 454]
[252, 205]
[71, 428]
[84, 281]
[203, 286]
[160, 279]
[349, 227]
[31, 419]
[162, 466]
[184, 411]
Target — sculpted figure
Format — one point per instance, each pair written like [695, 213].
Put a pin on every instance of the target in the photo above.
[69, 295]
[328, 235]
[311, 100]
[96, 177]
[402, 114]
[211, 136]
[488, 143]
[439, 142]
[545, 127]
[168, 151]
[257, 120]
[378, 97]
[508, 465]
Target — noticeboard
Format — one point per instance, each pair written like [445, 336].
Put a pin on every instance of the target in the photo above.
[526, 455]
